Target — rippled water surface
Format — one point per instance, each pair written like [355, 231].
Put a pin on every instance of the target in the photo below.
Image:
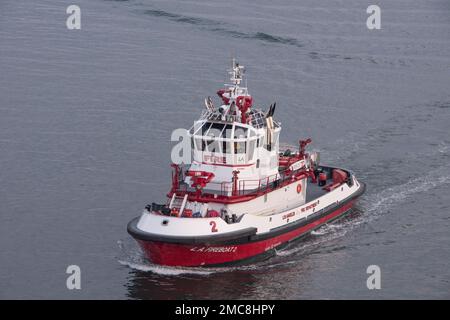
[86, 117]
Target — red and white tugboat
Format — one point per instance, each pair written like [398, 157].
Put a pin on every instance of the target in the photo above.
[241, 197]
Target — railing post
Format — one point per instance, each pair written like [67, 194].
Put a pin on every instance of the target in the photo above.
[235, 182]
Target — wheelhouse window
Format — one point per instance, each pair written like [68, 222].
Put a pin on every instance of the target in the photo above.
[240, 132]
[240, 147]
[227, 131]
[226, 138]
[212, 145]
[205, 128]
[215, 130]
[251, 149]
[226, 146]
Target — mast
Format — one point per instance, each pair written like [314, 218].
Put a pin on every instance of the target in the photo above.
[236, 72]
[235, 96]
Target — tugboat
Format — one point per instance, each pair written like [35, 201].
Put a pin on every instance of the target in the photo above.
[241, 197]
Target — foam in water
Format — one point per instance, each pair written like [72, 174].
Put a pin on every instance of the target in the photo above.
[163, 270]
[383, 200]
[318, 232]
[372, 207]
[131, 256]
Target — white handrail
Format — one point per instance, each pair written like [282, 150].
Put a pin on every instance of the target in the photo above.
[183, 204]
[171, 201]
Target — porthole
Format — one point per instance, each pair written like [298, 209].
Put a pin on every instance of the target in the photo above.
[165, 222]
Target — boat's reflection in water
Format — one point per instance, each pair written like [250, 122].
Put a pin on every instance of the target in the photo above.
[229, 285]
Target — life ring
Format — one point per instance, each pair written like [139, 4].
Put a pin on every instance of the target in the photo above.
[299, 188]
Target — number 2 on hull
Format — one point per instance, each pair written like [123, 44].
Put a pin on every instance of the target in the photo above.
[213, 226]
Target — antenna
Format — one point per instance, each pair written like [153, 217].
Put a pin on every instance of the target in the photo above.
[236, 73]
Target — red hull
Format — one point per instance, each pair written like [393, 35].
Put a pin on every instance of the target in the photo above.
[171, 254]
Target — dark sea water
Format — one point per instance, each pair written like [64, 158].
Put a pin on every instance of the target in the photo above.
[86, 117]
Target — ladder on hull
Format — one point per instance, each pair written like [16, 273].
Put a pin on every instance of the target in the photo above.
[178, 202]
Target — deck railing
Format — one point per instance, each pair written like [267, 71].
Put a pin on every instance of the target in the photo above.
[243, 187]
